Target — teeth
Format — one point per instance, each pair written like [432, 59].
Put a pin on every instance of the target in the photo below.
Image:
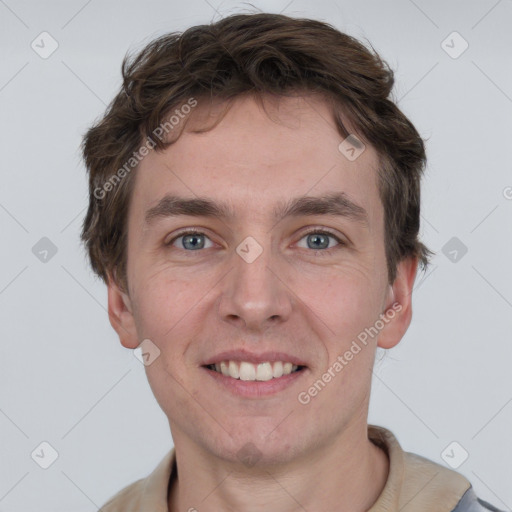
[247, 371]
[259, 372]
[264, 371]
[224, 368]
[233, 370]
[278, 369]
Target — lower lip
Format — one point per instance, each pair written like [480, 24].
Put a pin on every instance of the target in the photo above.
[256, 388]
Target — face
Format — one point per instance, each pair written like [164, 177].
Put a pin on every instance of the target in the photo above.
[262, 274]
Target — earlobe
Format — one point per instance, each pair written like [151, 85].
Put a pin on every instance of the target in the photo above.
[120, 314]
[399, 304]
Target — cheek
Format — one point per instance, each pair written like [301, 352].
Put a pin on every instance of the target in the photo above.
[344, 303]
[160, 303]
[345, 292]
[165, 314]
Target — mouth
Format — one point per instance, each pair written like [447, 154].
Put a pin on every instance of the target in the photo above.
[255, 381]
[260, 372]
[252, 375]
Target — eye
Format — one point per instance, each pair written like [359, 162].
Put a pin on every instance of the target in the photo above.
[190, 240]
[318, 239]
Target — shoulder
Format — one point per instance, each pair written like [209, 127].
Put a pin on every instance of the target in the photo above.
[149, 493]
[471, 503]
[418, 484]
[427, 485]
[127, 499]
[443, 485]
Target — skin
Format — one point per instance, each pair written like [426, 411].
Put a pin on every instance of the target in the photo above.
[311, 303]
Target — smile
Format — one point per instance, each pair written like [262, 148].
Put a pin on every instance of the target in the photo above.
[255, 380]
[246, 371]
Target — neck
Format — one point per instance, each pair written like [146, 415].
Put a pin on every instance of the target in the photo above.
[348, 475]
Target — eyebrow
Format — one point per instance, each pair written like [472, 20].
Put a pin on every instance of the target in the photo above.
[337, 204]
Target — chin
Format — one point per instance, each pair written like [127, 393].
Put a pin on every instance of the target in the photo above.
[254, 447]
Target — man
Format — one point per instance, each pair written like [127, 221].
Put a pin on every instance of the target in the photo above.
[254, 211]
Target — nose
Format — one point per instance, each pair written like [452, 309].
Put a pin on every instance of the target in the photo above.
[254, 294]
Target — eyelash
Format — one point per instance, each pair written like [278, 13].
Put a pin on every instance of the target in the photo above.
[318, 231]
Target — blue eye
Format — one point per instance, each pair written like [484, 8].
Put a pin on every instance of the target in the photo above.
[191, 240]
[320, 240]
[195, 240]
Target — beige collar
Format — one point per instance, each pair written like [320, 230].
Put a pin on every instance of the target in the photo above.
[414, 484]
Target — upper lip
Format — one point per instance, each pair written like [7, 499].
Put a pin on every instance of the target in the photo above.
[251, 357]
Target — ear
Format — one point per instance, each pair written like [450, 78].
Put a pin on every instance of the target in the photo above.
[398, 309]
[120, 314]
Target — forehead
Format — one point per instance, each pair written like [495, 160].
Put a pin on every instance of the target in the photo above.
[256, 157]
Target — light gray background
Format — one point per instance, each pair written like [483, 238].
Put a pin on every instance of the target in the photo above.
[65, 378]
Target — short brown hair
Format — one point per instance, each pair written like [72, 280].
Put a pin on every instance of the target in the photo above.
[262, 54]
